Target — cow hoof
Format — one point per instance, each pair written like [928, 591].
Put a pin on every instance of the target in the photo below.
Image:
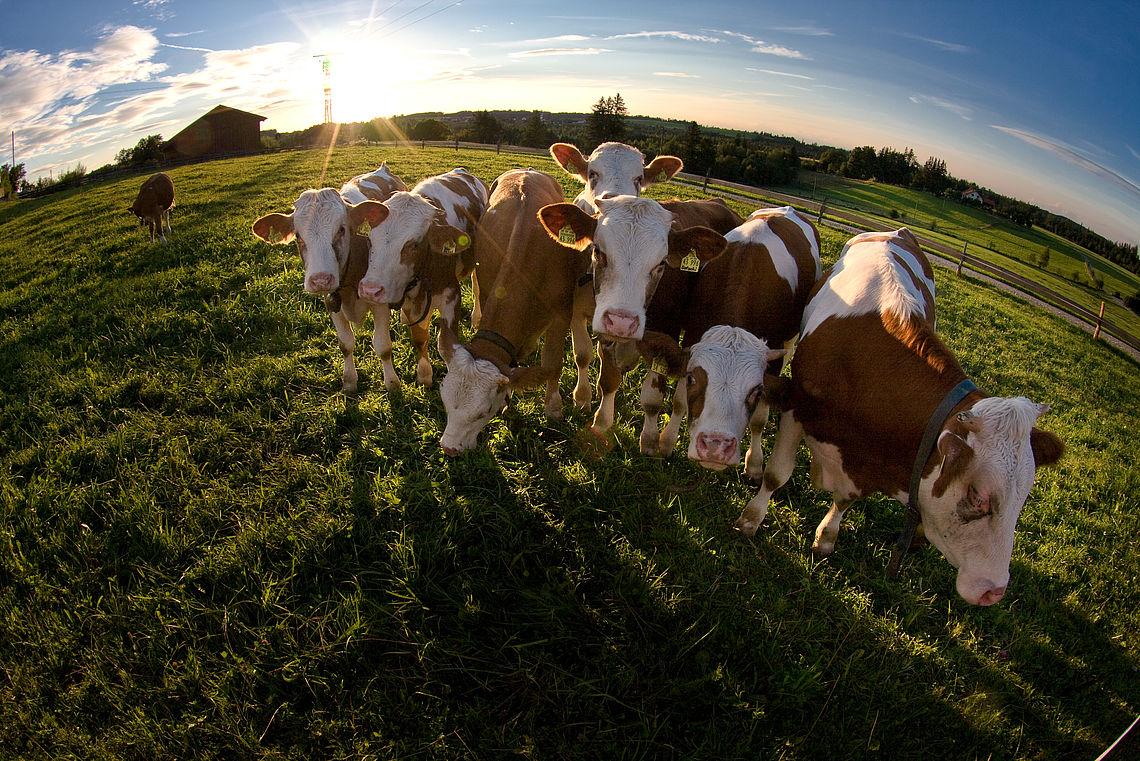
[820, 551]
[348, 388]
[649, 446]
[393, 384]
[746, 526]
[665, 446]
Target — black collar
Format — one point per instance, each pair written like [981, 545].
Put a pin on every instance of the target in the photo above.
[929, 440]
[493, 337]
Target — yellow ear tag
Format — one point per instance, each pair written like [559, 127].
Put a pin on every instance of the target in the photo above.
[567, 235]
[365, 229]
[464, 241]
[659, 366]
[449, 248]
[691, 262]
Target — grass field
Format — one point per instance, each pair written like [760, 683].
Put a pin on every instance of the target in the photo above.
[207, 551]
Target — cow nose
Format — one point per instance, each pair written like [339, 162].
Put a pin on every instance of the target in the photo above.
[620, 324]
[715, 447]
[371, 291]
[321, 282]
[992, 596]
[449, 451]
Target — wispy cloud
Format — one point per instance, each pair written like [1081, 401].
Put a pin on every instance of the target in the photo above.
[187, 47]
[559, 51]
[951, 47]
[676, 74]
[176, 35]
[1071, 156]
[1132, 151]
[686, 36]
[542, 41]
[965, 112]
[780, 73]
[811, 30]
[766, 48]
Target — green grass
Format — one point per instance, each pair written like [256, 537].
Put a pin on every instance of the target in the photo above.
[207, 551]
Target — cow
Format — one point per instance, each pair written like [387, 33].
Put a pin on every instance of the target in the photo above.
[754, 293]
[613, 169]
[872, 386]
[636, 244]
[153, 204]
[527, 285]
[417, 259]
[326, 225]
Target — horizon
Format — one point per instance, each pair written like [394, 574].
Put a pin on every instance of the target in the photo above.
[1031, 106]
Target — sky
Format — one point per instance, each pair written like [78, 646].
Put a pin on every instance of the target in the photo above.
[1036, 100]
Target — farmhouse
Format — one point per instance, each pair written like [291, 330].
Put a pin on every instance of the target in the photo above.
[973, 194]
[222, 130]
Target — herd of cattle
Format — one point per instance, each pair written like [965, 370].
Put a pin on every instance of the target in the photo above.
[716, 302]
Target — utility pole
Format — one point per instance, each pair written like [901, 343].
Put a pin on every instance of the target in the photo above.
[326, 68]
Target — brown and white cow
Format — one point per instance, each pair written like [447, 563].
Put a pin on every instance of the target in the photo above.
[867, 376]
[153, 204]
[613, 169]
[754, 293]
[418, 258]
[528, 287]
[324, 222]
[637, 244]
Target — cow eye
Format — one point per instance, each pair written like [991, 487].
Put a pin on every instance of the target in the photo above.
[593, 176]
[753, 398]
[600, 259]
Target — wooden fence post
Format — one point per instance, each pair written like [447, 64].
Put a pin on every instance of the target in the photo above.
[819, 217]
[457, 144]
[1096, 333]
[706, 187]
[963, 259]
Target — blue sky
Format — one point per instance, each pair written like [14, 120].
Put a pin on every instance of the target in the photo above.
[1037, 100]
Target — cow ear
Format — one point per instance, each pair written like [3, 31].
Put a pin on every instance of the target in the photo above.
[663, 353]
[957, 456]
[369, 213]
[447, 240]
[570, 158]
[700, 242]
[661, 169]
[530, 377]
[1047, 447]
[274, 228]
[568, 225]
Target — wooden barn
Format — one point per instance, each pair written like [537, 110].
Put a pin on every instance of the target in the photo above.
[222, 130]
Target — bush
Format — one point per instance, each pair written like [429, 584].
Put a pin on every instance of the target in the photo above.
[1133, 302]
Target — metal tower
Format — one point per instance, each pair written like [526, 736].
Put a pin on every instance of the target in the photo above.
[326, 68]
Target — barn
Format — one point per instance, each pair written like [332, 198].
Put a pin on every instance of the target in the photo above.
[223, 130]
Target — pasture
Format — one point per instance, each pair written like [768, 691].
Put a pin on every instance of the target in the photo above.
[208, 551]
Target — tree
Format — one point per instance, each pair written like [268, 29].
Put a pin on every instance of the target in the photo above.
[535, 133]
[861, 163]
[430, 129]
[10, 177]
[932, 177]
[148, 149]
[485, 128]
[607, 121]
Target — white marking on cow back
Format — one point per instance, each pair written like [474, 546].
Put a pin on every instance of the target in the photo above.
[756, 230]
[808, 230]
[871, 275]
[471, 196]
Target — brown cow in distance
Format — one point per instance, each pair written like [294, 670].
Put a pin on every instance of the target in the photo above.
[153, 204]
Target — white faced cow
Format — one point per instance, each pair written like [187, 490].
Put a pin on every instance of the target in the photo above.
[754, 293]
[528, 286]
[153, 204]
[613, 169]
[324, 223]
[418, 258]
[869, 377]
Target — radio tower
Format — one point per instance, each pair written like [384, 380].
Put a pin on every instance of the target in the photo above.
[326, 68]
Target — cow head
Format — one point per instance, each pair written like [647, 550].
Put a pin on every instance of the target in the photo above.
[613, 169]
[415, 228]
[633, 241]
[971, 503]
[724, 385]
[321, 223]
[474, 391]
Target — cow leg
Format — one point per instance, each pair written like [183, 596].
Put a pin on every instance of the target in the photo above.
[754, 460]
[382, 344]
[346, 338]
[420, 338]
[652, 400]
[553, 352]
[828, 531]
[583, 355]
[166, 219]
[672, 430]
[609, 379]
[779, 470]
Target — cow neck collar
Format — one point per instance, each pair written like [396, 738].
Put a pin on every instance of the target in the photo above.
[925, 449]
[500, 341]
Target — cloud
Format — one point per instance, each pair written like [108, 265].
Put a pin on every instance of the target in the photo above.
[187, 47]
[811, 30]
[687, 37]
[760, 46]
[675, 74]
[951, 47]
[560, 51]
[543, 40]
[781, 73]
[176, 35]
[965, 112]
[1069, 155]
